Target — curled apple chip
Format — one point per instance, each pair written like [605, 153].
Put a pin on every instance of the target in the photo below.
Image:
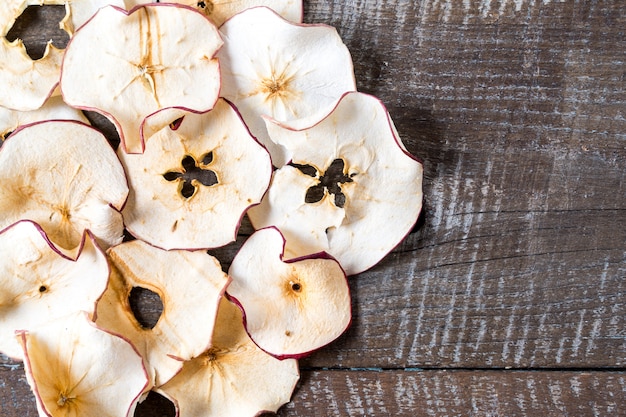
[352, 189]
[221, 10]
[64, 176]
[26, 83]
[288, 71]
[53, 109]
[149, 61]
[77, 369]
[291, 307]
[37, 281]
[191, 186]
[234, 378]
[190, 285]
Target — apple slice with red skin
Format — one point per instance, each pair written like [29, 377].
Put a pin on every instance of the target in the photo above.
[190, 286]
[149, 66]
[351, 189]
[293, 307]
[234, 378]
[191, 186]
[77, 369]
[64, 176]
[287, 71]
[40, 284]
[28, 83]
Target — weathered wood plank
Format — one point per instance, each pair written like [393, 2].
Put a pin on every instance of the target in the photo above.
[492, 307]
[458, 393]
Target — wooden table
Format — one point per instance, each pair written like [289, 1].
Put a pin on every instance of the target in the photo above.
[509, 298]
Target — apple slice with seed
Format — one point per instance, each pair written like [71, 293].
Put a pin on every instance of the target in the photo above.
[65, 176]
[234, 378]
[149, 66]
[37, 281]
[77, 369]
[288, 71]
[291, 307]
[221, 10]
[200, 177]
[189, 284]
[354, 165]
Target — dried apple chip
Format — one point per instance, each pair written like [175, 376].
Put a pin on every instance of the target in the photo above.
[53, 109]
[234, 378]
[352, 189]
[65, 176]
[26, 84]
[291, 307]
[191, 186]
[38, 282]
[221, 10]
[190, 285]
[148, 66]
[77, 369]
[288, 71]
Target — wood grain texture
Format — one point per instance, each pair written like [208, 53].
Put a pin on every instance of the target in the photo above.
[518, 110]
[458, 393]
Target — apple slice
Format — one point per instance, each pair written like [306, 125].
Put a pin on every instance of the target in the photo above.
[221, 10]
[191, 186]
[149, 61]
[353, 166]
[64, 176]
[234, 378]
[39, 284]
[26, 84]
[293, 307]
[274, 67]
[190, 285]
[53, 109]
[77, 369]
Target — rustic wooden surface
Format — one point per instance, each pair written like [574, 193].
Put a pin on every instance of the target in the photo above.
[509, 299]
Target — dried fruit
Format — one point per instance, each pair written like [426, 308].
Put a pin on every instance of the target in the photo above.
[37, 281]
[192, 185]
[352, 189]
[291, 308]
[234, 378]
[221, 10]
[190, 285]
[64, 176]
[284, 70]
[150, 65]
[53, 109]
[345, 186]
[27, 83]
[78, 369]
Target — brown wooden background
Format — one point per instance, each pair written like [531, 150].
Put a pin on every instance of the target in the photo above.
[509, 299]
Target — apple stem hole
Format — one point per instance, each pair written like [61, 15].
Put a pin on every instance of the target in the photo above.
[43, 289]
